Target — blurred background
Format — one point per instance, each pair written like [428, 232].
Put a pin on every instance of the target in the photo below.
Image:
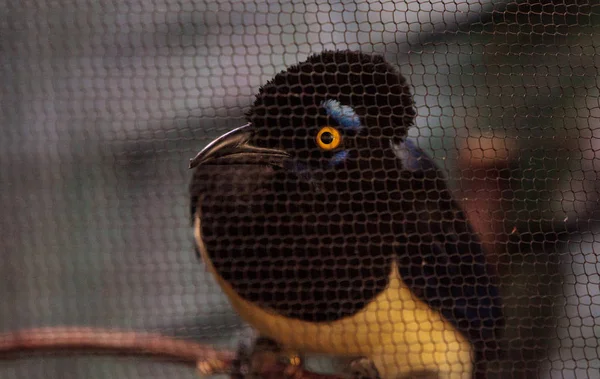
[102, 103]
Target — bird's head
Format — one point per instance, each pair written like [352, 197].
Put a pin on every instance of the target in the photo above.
[334, 109]
[295, 184]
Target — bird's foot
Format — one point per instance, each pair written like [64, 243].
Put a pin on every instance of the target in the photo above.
[264, 360]
[267, 345]
[363, 368]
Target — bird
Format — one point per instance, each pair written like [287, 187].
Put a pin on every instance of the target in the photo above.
[332, 232]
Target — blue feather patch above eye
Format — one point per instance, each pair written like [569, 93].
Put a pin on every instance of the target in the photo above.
[342, 114]
[338, 158]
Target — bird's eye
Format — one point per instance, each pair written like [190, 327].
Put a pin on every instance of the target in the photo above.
[328, 138]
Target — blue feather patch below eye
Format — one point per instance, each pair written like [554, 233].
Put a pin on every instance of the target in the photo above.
[342, 114]
[338, 158]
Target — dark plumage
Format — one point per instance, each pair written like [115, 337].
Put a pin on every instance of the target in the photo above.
[312, 232]
[367, 83]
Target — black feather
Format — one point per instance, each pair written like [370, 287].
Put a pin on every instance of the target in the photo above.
[375, 89]
[322, 255]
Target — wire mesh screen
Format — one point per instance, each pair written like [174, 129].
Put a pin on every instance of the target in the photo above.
[436, 190]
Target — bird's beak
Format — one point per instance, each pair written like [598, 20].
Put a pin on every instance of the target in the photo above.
[235, 147]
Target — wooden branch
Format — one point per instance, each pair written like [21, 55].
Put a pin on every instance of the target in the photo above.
[116, 342]
[206, 359]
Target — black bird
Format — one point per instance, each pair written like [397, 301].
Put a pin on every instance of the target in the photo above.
[332, 233]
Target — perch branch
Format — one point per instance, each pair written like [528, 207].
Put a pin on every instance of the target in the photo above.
[114, 342]
[206, 359]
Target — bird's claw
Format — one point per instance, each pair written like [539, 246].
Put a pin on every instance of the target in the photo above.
[263, 360]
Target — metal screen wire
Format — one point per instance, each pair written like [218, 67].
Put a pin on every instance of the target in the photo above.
[103, 103]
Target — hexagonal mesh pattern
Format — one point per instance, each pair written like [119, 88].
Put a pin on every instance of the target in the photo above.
[428, 190]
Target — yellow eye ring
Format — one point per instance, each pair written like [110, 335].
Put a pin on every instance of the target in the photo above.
[328, 138]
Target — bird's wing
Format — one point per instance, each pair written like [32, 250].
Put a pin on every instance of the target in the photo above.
[442, 259]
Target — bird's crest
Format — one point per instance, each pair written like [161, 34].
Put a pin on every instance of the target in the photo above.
[377, 95]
